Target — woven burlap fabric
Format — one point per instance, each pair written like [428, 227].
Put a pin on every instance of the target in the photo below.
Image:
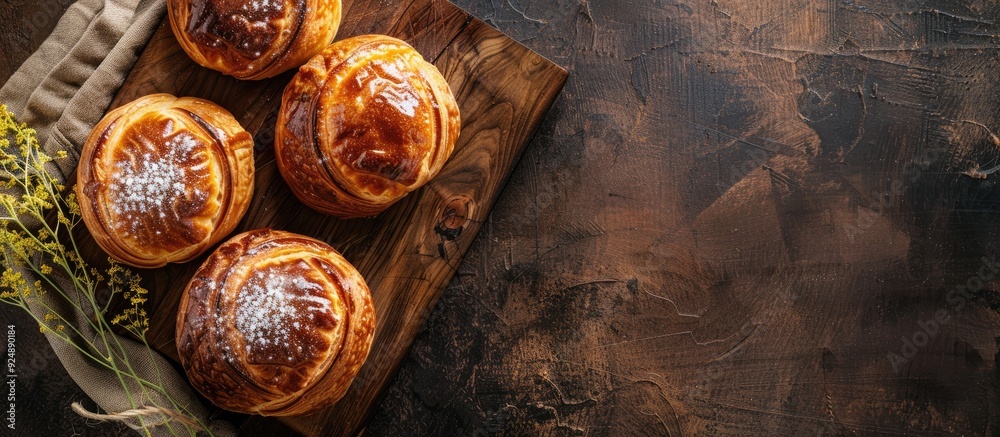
[62, 91]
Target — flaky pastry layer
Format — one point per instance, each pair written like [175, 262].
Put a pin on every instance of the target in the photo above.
[253, 39]
[274, 323]
[162, 179]
[363, 124]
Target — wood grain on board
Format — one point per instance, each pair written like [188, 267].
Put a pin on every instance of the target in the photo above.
[409, 253]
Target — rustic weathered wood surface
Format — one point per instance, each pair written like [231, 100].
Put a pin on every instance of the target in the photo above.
[739, 218]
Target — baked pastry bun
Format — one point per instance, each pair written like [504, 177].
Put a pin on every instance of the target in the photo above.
[253, 39]
[362, 124]
[274, 323]
[162, 179]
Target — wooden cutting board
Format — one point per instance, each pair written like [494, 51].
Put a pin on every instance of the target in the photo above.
[409, 253]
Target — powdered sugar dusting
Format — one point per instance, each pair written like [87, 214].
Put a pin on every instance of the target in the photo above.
[152, 183]
[273, 306]
[263, 6]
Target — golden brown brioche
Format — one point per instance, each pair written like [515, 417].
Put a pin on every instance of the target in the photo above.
[162, 179]
[362, 124]
[253, 39]
[274, 323]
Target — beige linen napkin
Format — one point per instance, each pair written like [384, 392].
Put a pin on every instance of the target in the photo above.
[62, 91]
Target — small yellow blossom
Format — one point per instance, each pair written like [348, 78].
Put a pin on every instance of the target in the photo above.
[30, 242]
[74, 206]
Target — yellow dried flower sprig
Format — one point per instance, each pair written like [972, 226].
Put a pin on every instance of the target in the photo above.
[36, 241]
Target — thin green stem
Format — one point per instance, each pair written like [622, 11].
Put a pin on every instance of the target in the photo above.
[48, 279]
[175, 404]
[43, 196]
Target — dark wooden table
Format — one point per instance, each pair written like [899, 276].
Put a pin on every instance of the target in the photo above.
[770, 217]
